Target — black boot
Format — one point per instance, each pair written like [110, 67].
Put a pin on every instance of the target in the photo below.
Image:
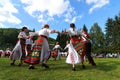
[83, 66]
[12, 64]
[73, 69]
[44, 65]
[19, 64]
[93, 64]
[31, 67]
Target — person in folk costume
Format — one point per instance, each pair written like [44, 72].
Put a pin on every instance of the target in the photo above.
[7, 52]
[75, 46]
[41, 51]
[88, 47]
[75, 39]
[1, 53]
[19, 52]
[57, 49]
[29, 45]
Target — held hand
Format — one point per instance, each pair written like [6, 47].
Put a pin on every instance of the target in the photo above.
[57, 32]
[53, 31]
[64, 32]
[31, 37]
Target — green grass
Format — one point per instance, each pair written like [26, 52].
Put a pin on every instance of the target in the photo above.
[106, 69]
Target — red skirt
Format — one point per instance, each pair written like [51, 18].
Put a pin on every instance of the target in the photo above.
[54, 54]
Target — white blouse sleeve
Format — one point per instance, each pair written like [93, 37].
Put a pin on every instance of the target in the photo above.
[68, 31]
[80, 33]
[49, 31]
[66, 46]
[33, 33]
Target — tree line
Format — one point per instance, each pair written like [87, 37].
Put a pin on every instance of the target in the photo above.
[8, 37]
[102, 42]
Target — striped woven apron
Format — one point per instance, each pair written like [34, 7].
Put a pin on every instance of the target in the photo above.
[79, 46]
[34, 57]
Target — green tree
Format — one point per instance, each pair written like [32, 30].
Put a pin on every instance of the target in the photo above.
[1, 37]
[112, 35]
[97, 38]
[8, 37]
[85, 28]
[62, 38]
[109, 34]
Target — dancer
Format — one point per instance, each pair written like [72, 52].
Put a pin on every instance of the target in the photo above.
[73, 57]
[41, 51]
[7, 52]
[18, 52]
[1, 53]
[88, 48]
[57, 49]
[29, 46]
[75, 45]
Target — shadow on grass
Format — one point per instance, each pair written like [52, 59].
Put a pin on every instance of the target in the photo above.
[105, 65]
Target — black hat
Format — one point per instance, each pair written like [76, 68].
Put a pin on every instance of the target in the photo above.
[72, 25]
[24, 28]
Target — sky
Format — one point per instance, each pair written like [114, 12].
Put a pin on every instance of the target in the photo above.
[57, 13]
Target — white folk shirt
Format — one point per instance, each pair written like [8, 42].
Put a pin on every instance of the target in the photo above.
[22, 34]
[45, 32]
[73, 33]
[57, 46]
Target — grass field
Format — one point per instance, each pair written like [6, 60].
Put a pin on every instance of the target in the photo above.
[106, 69]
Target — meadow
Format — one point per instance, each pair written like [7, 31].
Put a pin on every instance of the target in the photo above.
[106, 69]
